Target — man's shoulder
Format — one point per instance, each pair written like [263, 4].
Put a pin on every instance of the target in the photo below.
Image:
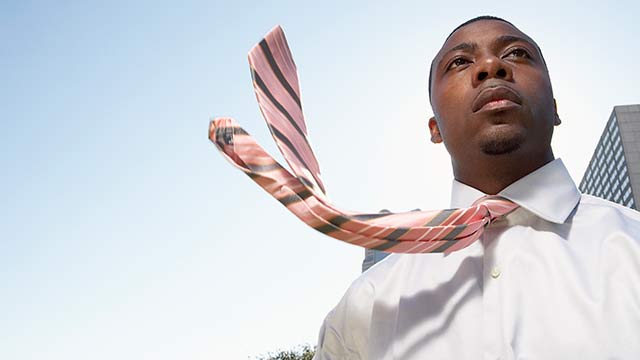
[382, 270]
[365, 284]
[345, 331]
[600, 205]
[374, 282]
[609, 218]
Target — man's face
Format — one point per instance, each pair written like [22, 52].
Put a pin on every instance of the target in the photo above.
[491, 94]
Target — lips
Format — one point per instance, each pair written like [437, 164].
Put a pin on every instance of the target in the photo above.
[495, 96]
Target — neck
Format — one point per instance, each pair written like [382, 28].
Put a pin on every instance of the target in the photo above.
[492, 173]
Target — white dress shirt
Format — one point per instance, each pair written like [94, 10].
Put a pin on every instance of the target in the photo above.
[558, 278]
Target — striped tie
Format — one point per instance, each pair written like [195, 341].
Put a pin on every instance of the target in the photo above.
[275, 81]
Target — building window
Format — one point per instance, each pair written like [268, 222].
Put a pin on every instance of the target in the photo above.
[612, 123]
[618, 153]
[625, 182]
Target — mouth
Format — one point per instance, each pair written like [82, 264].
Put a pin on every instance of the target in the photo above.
[496, 98]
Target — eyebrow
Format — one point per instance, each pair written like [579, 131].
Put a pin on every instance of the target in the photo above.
[462, 46]
[508, 39]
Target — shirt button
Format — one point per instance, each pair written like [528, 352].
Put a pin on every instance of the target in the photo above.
[495, 273]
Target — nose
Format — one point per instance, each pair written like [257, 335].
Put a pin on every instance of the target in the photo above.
[491, 67]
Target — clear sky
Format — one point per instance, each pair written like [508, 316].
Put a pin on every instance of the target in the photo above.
[125, 235]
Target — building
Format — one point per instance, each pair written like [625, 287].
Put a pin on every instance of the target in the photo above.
[614, 170]
[371, 257]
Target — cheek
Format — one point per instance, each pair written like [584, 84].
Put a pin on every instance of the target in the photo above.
[452, 118]
[541, 95]
[447, 101]
[453, 135]
[541, 107]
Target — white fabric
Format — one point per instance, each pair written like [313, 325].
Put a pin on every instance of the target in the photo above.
[559, 278]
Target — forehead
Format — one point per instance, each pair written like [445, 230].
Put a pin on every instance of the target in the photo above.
[480, 32]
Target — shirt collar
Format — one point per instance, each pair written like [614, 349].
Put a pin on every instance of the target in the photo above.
[549, 192]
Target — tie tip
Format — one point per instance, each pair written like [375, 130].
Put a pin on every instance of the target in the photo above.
[218, 123]
[275, 33]
[274, 30]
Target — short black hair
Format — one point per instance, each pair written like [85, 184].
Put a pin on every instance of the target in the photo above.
[478, 18]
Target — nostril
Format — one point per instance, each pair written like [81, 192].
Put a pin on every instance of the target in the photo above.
[482, 75]
[502, 73]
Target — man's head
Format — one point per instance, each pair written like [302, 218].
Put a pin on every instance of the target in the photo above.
[491, 96]
[475, 19]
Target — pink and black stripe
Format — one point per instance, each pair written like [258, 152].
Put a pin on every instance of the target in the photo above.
[277, 91]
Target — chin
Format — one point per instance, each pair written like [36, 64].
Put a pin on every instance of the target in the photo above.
[502, 142]
[500, 146]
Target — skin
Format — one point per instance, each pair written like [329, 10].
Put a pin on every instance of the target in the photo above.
[504, 141]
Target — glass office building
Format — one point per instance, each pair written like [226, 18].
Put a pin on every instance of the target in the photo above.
[614, 170]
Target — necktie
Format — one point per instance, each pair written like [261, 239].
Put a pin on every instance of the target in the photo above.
[277, 90]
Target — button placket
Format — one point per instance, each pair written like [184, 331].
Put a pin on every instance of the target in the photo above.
[490, 296]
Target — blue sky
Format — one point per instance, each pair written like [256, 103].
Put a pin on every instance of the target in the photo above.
[124, 234]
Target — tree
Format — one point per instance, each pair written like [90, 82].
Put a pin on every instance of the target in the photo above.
[303, 353]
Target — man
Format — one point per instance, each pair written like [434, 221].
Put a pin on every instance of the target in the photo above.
[558, 278]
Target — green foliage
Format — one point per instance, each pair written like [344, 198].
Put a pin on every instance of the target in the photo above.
[303, 353]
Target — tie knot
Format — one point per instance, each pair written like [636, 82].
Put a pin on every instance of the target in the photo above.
[496, 206]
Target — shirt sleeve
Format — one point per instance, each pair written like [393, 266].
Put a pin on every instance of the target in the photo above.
[345, 331]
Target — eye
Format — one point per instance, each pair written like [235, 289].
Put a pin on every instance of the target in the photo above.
[518, 53]
[457, 62]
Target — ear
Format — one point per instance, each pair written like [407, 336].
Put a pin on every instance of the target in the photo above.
[555, 109]
[436, 138]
